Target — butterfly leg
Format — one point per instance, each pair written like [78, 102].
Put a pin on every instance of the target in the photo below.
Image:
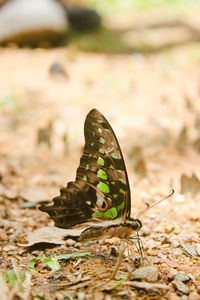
[140, 249]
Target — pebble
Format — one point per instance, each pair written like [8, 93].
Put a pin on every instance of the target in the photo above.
[198, 248]
[189, 249]
[9, 248]
[145, 231]
[169, 228]
[181, 287]
[194, 296]
[184, 297]
[181, 277]
[149, 273]
[70, 242]
[175, 244]
[171, 274]
[173, 296]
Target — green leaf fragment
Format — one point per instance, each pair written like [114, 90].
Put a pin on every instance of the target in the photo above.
[11, 277]
[32, 262]
[66, 294]
[81, 295]
[52, 262]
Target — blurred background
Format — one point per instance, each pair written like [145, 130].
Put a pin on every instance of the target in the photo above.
[138, 62]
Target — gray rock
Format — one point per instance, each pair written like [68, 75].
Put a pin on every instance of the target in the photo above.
[189, 250]
[149, 273]
[171, 274]
[194, 296]
[175, 244]
[182, 277]
[181, 287]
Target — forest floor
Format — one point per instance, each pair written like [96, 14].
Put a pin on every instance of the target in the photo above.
[150, 93]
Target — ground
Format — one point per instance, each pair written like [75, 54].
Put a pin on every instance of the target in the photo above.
[149, 91]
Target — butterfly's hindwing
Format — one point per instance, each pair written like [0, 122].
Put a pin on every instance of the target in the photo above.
[101, 189]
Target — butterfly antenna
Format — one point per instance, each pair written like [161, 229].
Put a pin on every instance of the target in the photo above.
[148, 206]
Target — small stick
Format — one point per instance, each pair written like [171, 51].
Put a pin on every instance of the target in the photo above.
[121, 254]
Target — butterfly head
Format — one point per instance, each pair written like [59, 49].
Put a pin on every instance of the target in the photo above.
[135, 224]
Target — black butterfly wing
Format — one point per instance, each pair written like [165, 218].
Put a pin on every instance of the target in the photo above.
[102, 165]
[101, 190]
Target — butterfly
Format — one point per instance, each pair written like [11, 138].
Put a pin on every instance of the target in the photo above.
[101, 191]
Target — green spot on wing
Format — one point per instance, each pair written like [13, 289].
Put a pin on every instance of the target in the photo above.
[122, 191]
[100, 161]
[106, 129]
[115, 196]
[101, 151]
[120, 207]
[101, 140]
[87, 167]
[100, 130]
[114, 212]
[102, 174]
[100, 121]
[113, 182]
[103, 187]
[109, 199]
[114, 155]
[119, 171]
[92, 144]
[85, 177]
[121, 180]
[111, 167]
[109, 213]
[89, 202]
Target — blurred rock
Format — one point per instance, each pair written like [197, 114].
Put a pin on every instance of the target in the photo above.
[31, 21]
[57, 70]
[171, 273]
[189, 250]
[43, 22]
[193, 296]
[82, 19]
[190, 184]
[181, 287]
[182, 277]
[149, 273]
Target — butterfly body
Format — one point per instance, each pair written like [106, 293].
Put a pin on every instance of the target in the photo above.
[100, 192]
[123, 230]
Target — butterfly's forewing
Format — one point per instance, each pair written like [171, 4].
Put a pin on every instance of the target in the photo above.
[102, 165]
[101, 189]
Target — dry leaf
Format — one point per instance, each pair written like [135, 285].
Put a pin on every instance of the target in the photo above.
[50, 235]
